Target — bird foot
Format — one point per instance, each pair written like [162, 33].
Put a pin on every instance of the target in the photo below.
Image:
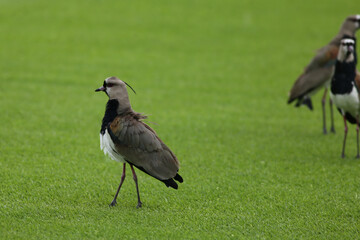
[324, 131]
[342, 155]
[113, 203]
[332, 130]
[357, 156]
[139, 205]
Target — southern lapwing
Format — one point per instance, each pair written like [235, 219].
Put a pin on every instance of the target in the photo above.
[127, 139]
[319, 71]
[345, 85]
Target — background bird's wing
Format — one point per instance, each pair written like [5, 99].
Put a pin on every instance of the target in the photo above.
[310, 82]
[140, 146]
[316, 73]
[325, 56]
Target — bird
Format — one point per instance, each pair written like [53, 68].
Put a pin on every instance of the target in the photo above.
[345, 86]
[124, 137]
[318, 73]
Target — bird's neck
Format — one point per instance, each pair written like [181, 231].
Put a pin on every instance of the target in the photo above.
[123, 104]
[346, 67]
[343, 31]
[344, 77]
[110, 114]
[344, 57]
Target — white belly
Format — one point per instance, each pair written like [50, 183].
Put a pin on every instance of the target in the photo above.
[347, 102]
[108, 146]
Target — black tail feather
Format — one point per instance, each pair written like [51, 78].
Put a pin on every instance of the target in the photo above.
[350, 118]
[304, 101]
[178, 178]
[308, 103]
[170, 183]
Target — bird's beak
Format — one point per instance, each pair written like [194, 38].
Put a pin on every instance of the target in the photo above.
[351, 49]
[102, 88]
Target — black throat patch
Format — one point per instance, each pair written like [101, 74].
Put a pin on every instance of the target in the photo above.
[344, 78]
[110, 114]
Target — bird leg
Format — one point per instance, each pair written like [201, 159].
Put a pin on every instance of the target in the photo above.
[345, 133]
[357, 136]
[323, 110]
[113, 203]
[137, 187]
[332, 116]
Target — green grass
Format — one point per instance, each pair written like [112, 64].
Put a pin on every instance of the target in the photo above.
[214, 76]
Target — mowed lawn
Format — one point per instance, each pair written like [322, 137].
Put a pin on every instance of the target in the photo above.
[213, 76]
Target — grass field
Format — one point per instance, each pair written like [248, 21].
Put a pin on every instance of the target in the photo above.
[214, 77]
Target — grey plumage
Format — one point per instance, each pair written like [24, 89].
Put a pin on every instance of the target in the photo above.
[126, 138]
[317, 74]
[140, 146]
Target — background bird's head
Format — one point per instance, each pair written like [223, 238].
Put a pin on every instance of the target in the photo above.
[346, 50]
[351, 24]
[116, 89]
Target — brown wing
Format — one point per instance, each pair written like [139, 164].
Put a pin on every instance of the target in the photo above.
[310, 82]
[316, 74]
[140, 146]
[324, 57]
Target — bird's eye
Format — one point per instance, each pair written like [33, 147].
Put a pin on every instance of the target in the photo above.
[355, 20]
[109, 85]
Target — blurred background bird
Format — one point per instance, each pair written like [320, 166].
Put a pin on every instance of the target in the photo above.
[318, 73]
[125, 138]
[345, 84]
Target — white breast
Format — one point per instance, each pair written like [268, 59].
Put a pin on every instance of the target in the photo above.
[108, 146]
[347, 102]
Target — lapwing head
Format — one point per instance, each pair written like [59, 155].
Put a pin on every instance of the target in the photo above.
[351, 24]
[346, 50]
[116, 89]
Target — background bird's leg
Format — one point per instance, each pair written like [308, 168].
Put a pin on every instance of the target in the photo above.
[357, 136]
[332, 116]
[345, 133]
[137, 187]
[113, 203]
[323, 100]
